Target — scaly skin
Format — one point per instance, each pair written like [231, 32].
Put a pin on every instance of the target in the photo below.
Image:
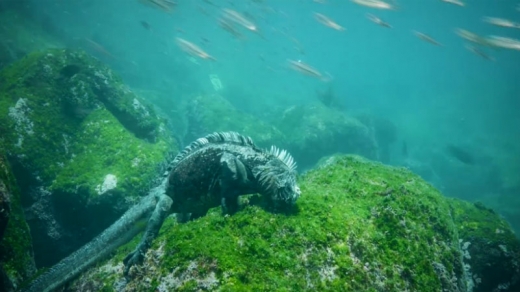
[214, 170]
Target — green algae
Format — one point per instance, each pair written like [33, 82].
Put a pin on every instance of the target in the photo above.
[120, 153]
[72, 131]
[493, 250]
[15, 246]
[70, 134]
[359, 226]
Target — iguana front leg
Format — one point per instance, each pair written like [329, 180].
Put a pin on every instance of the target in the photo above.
[232, 178]
[162, 209]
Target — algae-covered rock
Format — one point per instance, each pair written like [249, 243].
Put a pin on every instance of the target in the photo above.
[359, 226]
[314, 131]
[491, 252]
[16, 260]
[82, 146]
[213, 113]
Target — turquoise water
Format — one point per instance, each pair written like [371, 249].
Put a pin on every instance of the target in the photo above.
[435, 95]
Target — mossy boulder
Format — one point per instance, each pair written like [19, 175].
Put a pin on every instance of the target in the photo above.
[313, 131]
[491, 252]
[359, 226]
[213, 113]
[16, 260]
[83, 146]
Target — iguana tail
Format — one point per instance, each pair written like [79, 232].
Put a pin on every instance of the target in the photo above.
[114, 236]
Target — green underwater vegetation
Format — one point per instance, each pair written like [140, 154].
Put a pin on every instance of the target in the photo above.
[359, 226]
[85, 138]
[78, 147]
[16, 257]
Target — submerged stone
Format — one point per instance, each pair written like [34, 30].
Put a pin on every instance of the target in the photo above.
[83, 147]
[16, 260]
[360, 226]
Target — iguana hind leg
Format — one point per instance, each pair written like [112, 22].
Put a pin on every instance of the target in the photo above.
[162, 209]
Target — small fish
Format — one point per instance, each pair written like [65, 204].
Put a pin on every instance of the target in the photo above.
[145, 25]
[164, 5]
[379, 4]
[426, 38]
[238, 18]
[327, 21]
[455, 2]
[307, 70]
[503, 42]
[377, 20]
[229, 27]
[193, 49]
[99, 48]
[501, 22]
[472, 37]
[70, 70]
[460, 154]
[479, 53]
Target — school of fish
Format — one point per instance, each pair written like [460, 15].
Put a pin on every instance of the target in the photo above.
[233, 22]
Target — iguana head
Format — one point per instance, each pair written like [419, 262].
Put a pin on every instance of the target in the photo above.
[277, 177]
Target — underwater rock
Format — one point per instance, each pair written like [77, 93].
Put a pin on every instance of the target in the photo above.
[16, 261]
[5, 202]
[313, 131]
[491, 252]
[360, 226]
[213, 113]
[78, 145]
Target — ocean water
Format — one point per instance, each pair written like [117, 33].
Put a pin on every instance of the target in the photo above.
[434, 95]
[454, 112]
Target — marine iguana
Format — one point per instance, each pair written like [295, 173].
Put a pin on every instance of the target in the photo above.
[212, 170]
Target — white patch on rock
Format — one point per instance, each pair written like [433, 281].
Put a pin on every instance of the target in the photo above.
[23, 125]
[139, 107]
[109, 183]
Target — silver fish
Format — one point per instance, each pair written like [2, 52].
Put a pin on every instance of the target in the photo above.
[239, 19]
[327, 21]
[455, 2]
[505, 43]
[379, 4]
[472, 37]
[377, 20]
[307, 70]
[193, 49]
[501, 22]
[479, 53]
[426, 38]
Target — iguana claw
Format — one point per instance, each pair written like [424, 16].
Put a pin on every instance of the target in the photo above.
[132, 259]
